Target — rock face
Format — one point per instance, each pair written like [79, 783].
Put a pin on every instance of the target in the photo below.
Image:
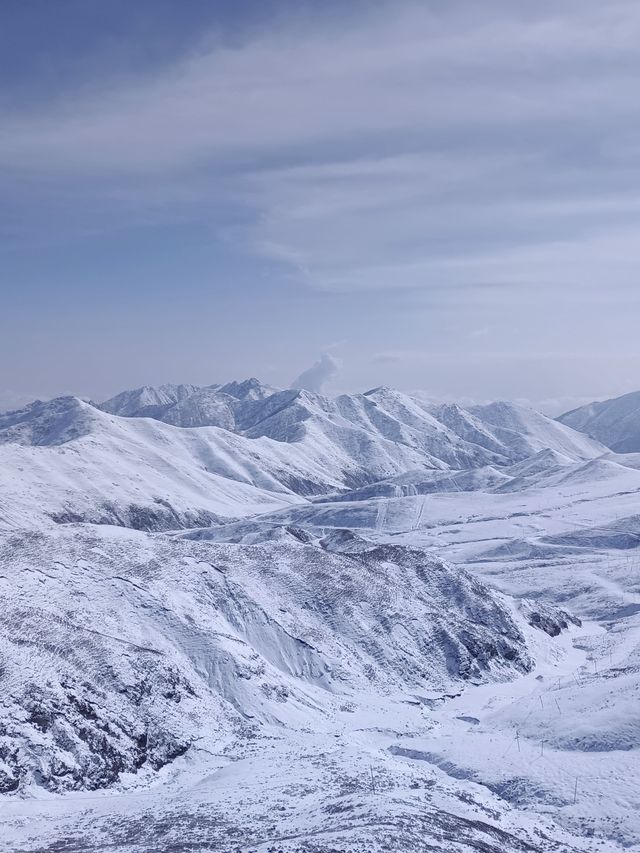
[552, 620]
[120, 651]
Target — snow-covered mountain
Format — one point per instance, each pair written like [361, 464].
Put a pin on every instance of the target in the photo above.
[68, 460]
[189, 405]
[448, 436]
[148, 401]
[152, 645]
[244, 618]
[615, 422]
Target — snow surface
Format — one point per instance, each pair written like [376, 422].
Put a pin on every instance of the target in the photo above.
[242, 619]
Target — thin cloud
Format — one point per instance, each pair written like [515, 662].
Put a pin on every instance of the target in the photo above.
[408, 150]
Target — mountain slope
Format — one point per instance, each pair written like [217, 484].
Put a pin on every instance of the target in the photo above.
[528, 432]
[66, 461]
[69, 460]
[446, 436]
[150, 644]
[615, 422]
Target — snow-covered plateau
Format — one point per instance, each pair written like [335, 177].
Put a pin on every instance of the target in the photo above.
[237, 618]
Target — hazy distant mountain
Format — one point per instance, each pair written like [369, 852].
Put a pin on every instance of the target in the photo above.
[614, 422]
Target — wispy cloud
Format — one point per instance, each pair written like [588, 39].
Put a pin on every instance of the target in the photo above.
[419, 147]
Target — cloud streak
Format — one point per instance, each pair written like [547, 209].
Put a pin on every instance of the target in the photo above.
[399, 178]
[411, 148]
[405, 70]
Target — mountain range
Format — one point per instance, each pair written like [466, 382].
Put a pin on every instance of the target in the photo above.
[236, 617]
[181, 456]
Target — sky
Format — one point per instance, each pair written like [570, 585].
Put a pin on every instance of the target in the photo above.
[440, 196]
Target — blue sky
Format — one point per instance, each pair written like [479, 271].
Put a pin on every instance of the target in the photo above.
[441, 195]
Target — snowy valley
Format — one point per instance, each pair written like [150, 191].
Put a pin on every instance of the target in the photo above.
[240, 618]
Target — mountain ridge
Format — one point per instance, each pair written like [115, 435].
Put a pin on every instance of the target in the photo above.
[615, 422]
[70, 460]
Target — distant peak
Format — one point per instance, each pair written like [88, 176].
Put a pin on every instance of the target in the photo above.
[149, 398]
[50, 422]
[250, 388]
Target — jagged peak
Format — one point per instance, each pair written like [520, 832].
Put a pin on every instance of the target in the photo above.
[251, 388]
[135, 401]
